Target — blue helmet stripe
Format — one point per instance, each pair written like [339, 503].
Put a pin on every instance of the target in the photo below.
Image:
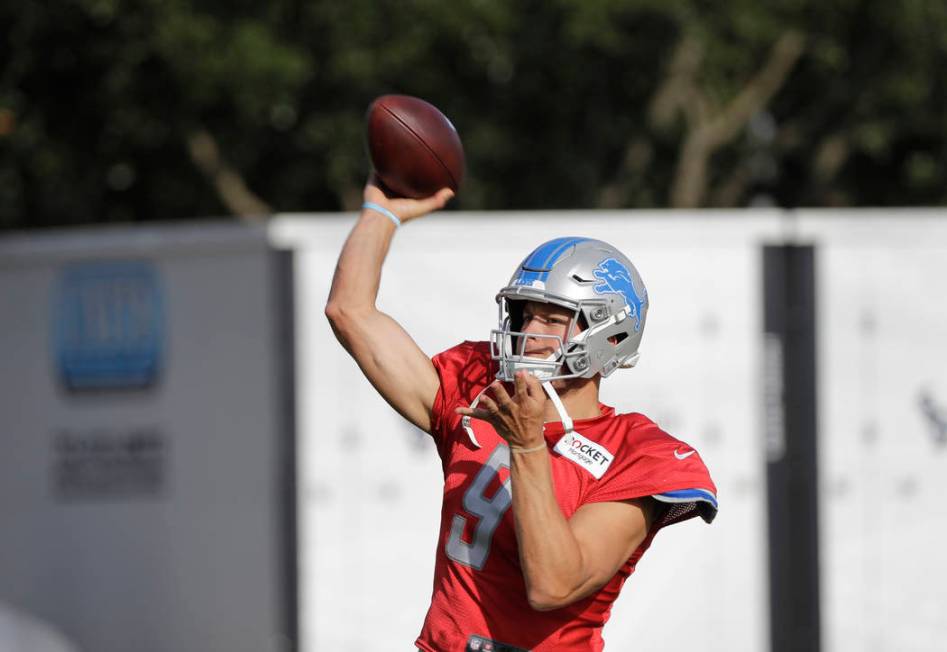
[537, 265]
[568, 242]
[540, 257]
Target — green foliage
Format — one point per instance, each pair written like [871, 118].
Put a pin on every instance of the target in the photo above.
[555, 101]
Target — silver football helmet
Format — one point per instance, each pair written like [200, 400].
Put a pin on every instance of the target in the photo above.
[606, 295]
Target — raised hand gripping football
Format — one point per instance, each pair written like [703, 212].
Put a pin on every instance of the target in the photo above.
[406, 209]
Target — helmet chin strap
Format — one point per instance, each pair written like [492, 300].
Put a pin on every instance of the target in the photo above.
[465, 421]
[560, 408]
[551, 392]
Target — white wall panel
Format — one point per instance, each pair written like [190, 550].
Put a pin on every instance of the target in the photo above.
[882, 324]
[371, 486]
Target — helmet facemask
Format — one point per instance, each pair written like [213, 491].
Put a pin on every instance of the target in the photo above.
[569, 358]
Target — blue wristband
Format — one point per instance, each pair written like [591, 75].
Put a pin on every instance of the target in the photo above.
[372, 206]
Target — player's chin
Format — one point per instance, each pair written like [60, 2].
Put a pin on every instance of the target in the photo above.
[560, 383]
[563, 384]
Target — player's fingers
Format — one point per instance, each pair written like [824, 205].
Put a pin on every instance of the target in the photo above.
[534, 388]
[474, 413]
[522, 386]
[501, 396]
[443, 196]
[435, 201]
[489, 404]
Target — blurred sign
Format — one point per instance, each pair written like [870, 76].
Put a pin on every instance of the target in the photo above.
[108, 325]
[109, 463]
[147, 504]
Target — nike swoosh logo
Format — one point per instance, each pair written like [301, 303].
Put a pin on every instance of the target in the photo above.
[683, 456]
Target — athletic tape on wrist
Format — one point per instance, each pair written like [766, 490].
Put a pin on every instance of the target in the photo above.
[372, 206]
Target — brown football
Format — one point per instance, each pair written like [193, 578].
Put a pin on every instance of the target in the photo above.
[414, 148]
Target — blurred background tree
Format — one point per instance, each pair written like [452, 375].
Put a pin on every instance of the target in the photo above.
[136, 110]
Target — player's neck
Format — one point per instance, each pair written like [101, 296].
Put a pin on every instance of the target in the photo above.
[579, 396]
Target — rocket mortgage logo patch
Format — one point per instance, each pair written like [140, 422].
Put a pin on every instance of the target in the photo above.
[591, 456]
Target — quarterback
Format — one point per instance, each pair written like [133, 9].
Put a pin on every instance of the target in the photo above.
[550, 497]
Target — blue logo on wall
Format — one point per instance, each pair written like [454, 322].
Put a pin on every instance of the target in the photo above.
[615, 278]
[108, 328]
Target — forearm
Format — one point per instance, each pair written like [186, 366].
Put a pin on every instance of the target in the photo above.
[358, 271]
[551, 558]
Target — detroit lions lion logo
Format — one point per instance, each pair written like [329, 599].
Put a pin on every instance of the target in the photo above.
[616, 279]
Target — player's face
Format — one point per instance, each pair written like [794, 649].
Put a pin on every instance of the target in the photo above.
[549, 320]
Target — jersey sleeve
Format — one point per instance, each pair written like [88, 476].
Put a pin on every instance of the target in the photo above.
[462, 371]
[666, 469]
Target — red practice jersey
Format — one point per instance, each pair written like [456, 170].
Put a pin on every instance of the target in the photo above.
[479, 590]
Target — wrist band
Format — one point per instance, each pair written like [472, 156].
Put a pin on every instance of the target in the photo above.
[518, 449]
[372, 206]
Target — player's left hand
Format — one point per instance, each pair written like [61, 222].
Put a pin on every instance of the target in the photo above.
[517, 418]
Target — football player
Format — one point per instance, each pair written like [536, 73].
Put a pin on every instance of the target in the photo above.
[550, 497]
